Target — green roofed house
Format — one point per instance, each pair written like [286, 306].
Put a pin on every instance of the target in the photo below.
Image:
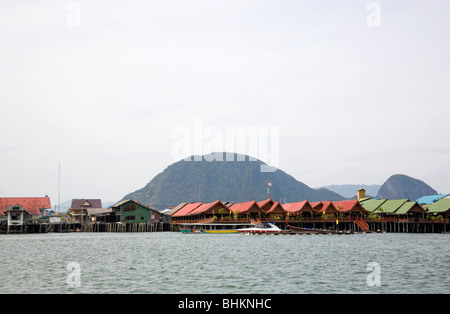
[373, 204]
[441, 207]
[410, 207]
[403, 208]
[390, 206]
[133, 212]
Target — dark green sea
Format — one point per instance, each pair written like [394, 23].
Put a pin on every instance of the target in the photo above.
[170, 262]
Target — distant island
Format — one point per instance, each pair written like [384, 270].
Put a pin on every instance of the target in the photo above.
[402, 186]
[239, 181]
[232, 181]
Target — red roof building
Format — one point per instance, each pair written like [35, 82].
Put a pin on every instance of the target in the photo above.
[266, 210]
[211, 208]
[277, 212]
[277, 208]
[265, 205]
[246, 211]
[350, 206]
[246, 207]
[325, 207]
[174, 209]
[202, 212]
[186, 209]
[297, 208]
[34, 205]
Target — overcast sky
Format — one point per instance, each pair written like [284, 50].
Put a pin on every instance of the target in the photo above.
[102, 87]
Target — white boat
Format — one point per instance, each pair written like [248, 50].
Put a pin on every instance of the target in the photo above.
[261, 228]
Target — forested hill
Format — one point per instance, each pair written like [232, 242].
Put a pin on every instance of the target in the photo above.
[232, 181]
[400, 186]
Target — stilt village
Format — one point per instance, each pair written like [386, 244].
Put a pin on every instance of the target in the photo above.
[428, 214]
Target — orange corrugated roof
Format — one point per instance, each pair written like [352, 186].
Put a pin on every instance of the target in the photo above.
[32, 204]
[243, 207]
[205, 207]
[316, 205]
[262, 204]
[346, 206]
[275, 206]
[202, 208]
[326, 205]
[186, 209]
[295, 206]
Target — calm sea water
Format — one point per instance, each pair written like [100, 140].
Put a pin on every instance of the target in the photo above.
[168, 262]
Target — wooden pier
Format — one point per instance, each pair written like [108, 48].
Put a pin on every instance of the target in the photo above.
[94, 227]
[398, 226]
[410, 227]
[130, 227]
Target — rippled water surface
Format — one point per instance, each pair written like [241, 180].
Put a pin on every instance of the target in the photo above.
[169, 262]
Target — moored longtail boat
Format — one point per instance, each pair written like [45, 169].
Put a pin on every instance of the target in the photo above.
[308, 230]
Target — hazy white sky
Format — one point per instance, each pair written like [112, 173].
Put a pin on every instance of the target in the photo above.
[101, 85]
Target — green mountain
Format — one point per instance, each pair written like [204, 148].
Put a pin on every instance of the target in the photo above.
[400, 186]
[232, 181]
